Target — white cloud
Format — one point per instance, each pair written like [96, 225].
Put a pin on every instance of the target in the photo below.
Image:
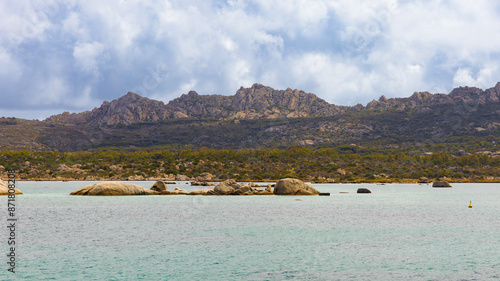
[345, 51]
[88, 56]
[466, 77]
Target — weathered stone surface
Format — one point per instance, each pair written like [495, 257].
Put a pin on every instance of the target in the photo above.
[159, 186]
[441, 184]
[206, 191]
[363, 190]
[4, 189]
[290, 186]
[176, 191]
[113, 188]
[225, 188]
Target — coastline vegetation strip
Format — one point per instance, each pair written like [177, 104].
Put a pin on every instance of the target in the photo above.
[340, 164]
[11, 221]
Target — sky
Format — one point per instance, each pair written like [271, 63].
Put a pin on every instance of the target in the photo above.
[72, 55]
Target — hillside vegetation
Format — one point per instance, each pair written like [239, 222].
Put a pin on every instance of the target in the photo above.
[344, 164]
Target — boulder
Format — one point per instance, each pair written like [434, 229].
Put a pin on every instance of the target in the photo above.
[441, 184]
[290, 186]
[159, 186]
[423, 180]
[225, 188]
[363, 190]
[4, 189]
[113, 188]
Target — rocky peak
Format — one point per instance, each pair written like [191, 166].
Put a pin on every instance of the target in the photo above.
[128, 109]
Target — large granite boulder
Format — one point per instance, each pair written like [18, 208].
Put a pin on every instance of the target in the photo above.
[159, 186]
[441, 184]
[290, 186]
[113, 188]
[227, 187]
[4, 189]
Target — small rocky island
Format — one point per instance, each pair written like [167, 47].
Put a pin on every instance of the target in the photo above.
[286, 186]
[4, 189]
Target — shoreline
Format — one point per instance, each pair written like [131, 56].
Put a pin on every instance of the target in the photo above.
[388, 181]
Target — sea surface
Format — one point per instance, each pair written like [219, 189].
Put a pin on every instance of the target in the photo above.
[398, 232]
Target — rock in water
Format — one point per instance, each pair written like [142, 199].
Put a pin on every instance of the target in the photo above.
[4, 189]
[363, 190]
[113, 188]
[441, 184]
[226, 188]
[290, 186]
[159, 186]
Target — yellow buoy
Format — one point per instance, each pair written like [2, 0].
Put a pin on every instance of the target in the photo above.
[470, 204]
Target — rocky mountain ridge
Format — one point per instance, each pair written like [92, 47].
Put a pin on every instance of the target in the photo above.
[248, 103]
[262, 117]
[260, 101]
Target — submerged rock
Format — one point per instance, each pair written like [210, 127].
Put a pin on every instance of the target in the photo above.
[4, 189]
[290, 186]
[113, 188]
[441, 184]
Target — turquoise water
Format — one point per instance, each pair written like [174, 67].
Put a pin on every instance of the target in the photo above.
[398, 232]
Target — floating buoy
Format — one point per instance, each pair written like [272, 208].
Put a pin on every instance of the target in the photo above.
[470, 204]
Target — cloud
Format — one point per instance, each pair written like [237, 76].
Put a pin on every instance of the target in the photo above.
[345, 51]
[87, 56]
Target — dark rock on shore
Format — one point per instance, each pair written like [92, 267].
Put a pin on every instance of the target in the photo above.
[441, 184]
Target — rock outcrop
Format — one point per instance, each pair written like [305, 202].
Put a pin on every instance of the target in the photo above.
[4, 189]
[290, 186]
[176, 191]
[113, 188]
[231, 187]
[441, 184]
[423, 180]
[159, 186]
[363, 190]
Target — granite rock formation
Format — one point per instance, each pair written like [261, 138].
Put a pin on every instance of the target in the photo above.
[113, 188]
[290, 186]
[4, 189]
